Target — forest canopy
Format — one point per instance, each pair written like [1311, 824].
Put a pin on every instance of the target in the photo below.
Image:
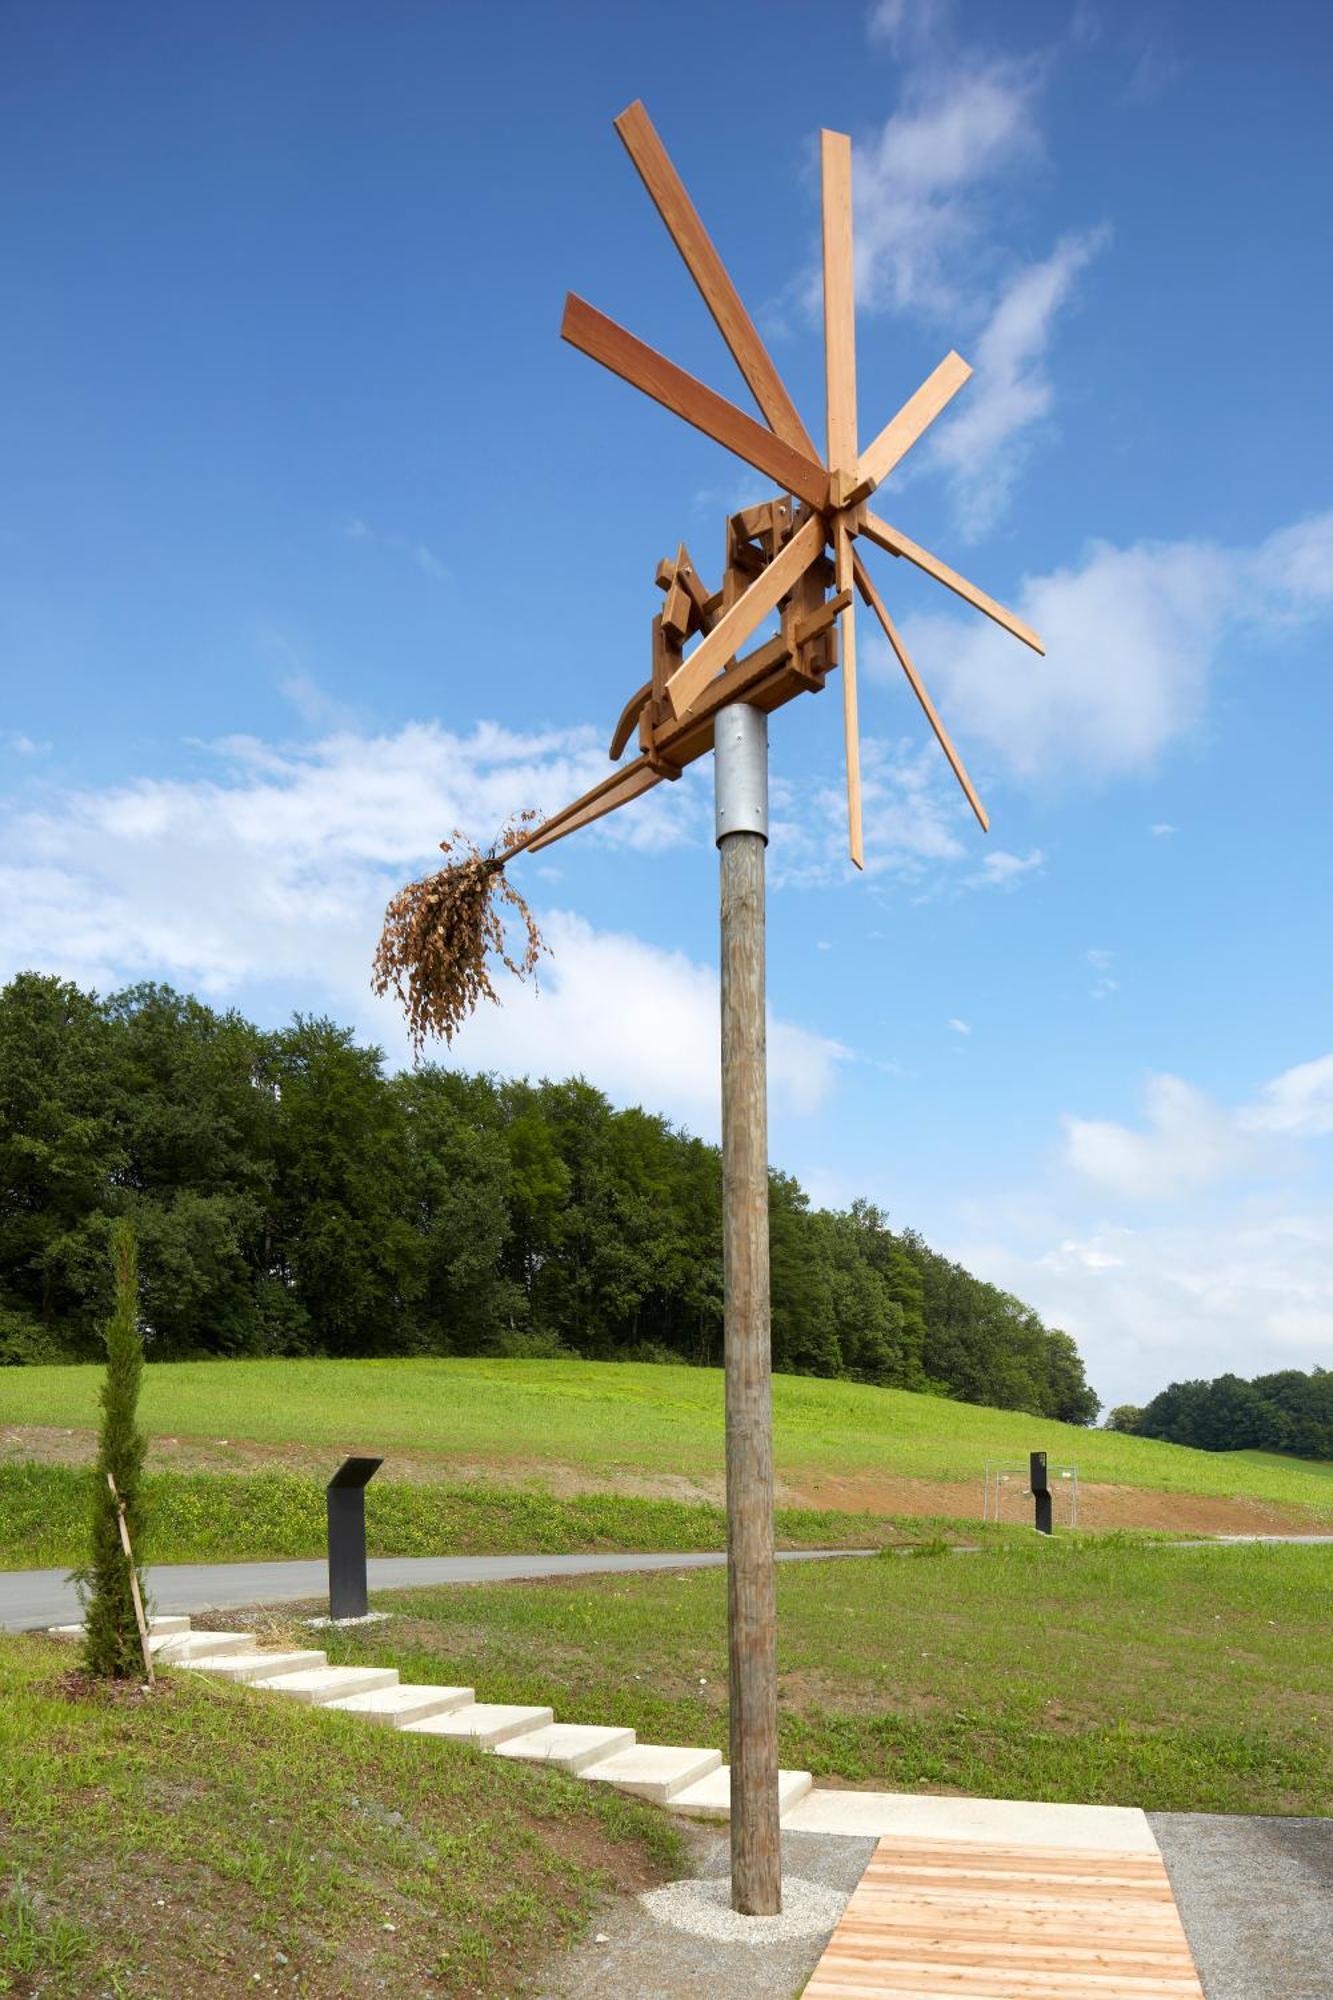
[1289, 1411]
[291, 1197]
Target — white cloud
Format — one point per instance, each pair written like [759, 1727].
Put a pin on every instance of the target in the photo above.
[275, 874]
[1249, 1289]
[927, 187]
[1131, 637]
[1297, 1104]
[1103, 984]
[960, 1027]
[419, 554]
[1002, 870]
[981, 445]
[1188, 1142]
[1162, 830]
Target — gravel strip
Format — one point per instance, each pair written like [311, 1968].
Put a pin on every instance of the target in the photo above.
[703, 1908]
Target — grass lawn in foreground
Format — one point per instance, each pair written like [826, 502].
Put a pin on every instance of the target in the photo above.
[1195, 1680]
[181, 1843]
[626, 1418]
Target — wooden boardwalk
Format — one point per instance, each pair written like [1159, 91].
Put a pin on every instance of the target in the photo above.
[989, 1922]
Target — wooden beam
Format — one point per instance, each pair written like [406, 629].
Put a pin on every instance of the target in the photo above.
[851, 730]
[618, 790]
[635, 362]
[751, 607]
[819, 621]
[897, 544]
[629, 715]
[839, 301]
[687, 232]
[916, 415]
[891, 633]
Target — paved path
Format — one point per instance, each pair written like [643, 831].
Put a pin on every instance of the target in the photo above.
[32, 1598]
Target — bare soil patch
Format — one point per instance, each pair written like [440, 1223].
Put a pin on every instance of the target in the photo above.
[1101, 1505]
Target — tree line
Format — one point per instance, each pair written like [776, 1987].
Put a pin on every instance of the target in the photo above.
[1289, 1411]
[291, 1197]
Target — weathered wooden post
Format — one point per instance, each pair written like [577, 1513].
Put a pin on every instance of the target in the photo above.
[741, 773]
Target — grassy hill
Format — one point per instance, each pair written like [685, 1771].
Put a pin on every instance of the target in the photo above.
[837, 1443]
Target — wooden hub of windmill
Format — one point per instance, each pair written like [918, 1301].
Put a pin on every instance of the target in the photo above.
[796, 554]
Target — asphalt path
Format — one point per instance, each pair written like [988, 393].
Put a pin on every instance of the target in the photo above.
[1256, 1898]
[33, 1598]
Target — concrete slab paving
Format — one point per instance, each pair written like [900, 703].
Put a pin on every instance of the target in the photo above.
[484, 1723]
[408, 1702]
[655, 1771]
[170, 1649]
[1256, 1898]
[710, 1797]
[569, 1746]
[642, 1958]
[1012, 1822]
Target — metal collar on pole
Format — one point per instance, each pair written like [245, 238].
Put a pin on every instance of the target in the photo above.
[740, 760]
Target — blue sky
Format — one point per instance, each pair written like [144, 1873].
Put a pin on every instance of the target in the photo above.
[316, 541]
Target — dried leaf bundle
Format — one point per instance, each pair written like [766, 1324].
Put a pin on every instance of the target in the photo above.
[439, 932]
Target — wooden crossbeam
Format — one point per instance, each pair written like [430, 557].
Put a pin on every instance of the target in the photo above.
[898, 544]
[687, 232]
[750, 609]
[891, 633]
[635, 362]
[901, 432]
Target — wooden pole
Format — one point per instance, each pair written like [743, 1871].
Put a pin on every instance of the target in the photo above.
[741, 770]
[145, 1648]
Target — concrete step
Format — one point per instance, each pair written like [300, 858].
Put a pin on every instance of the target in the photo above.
[254, 1666]
[157, 1628]
[405, 1703]
[570, 1746]
[484, 1723]
[656, 1771]
[710, 1798]
[321, 1684]
[173, 1649]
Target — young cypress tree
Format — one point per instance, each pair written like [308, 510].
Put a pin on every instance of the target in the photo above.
[111, 1644]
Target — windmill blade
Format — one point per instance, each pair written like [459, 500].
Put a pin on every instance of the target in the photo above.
[876, 603]
[839, 301]
[746, 614]
[916, 415]
[628, 783]
[687, 232]
[634, 361]
[840, 389]
[898, 544]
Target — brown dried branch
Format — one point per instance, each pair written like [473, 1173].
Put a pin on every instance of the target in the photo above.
[439, 932]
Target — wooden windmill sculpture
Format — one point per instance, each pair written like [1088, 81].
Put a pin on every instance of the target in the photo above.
[714, 697]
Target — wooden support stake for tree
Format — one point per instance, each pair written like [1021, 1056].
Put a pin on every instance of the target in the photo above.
[134, 1580]
[741, 770]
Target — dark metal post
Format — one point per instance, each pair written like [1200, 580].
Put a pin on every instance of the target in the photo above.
[1041, 1492]
[346, 1496]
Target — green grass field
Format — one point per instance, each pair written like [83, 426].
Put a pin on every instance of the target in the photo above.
[233, 1517]
[1108, 1671]
[207, 1841]
[620, 1418]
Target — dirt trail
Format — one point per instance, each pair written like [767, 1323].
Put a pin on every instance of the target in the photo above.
[1100, 1505]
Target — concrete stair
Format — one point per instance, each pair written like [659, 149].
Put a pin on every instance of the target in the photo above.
[254, 1666]
[318, 1685]
[690, 1781]
[398, 1706]
[710, 1797]
[569, 1746]
[484, 1723]
[656, 1771]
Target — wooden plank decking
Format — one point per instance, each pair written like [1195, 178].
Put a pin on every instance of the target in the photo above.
[986, 1922]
